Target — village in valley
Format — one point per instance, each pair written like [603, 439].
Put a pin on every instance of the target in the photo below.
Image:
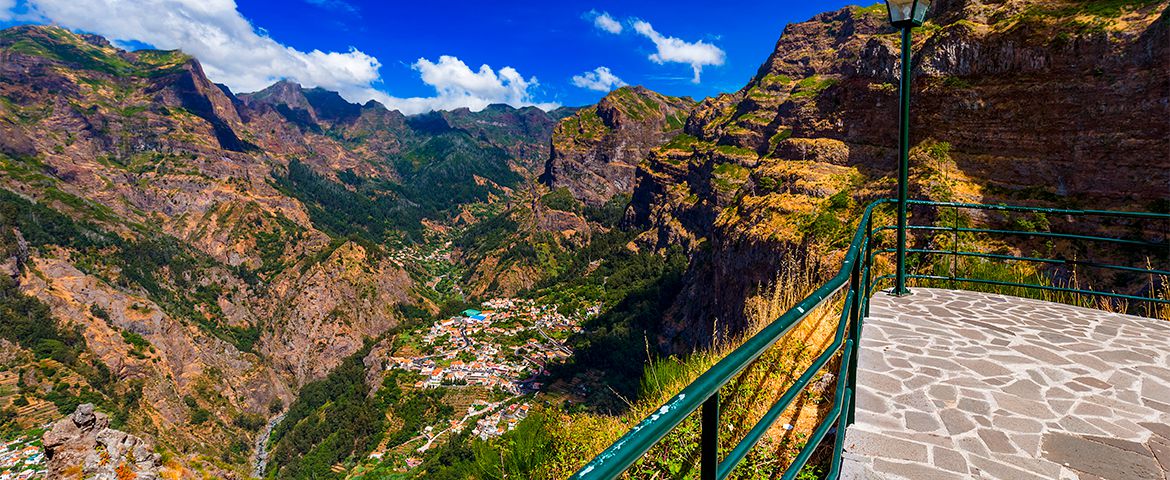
[22, 459]
[502, 349]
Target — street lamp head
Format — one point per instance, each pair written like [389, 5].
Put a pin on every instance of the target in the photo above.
[907, 13]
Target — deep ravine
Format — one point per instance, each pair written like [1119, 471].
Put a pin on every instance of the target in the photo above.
[261, 454]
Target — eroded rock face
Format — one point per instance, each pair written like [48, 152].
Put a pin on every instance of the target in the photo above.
[1012, 104]
[595, 152]
[330, 310]
[84, 446]
[14, 255]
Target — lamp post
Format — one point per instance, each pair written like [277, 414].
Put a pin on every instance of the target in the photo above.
[904, 14]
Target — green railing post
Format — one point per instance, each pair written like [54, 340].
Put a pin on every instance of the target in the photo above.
[903, 160]
[709, 461]
[854, 342]
[954, 246]
[867, 254]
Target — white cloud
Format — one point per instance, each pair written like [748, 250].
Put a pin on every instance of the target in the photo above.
[456, 85]
[6, 7]
[234, 52]
[600, 79]
[671, 49]
[605, 22]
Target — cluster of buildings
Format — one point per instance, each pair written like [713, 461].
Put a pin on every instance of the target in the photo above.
[503, 347]
[472, 349]
[501, 421]
[21, 460]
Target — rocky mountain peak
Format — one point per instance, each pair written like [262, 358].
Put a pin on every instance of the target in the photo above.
[596, 150]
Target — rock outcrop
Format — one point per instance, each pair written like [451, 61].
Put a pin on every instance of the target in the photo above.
[1036, 102]
[84, 446]
[596, 151]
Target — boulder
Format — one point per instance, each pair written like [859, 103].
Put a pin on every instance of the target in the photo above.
[84, 446]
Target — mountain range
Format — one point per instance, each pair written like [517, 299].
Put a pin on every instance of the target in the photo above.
[196, 262]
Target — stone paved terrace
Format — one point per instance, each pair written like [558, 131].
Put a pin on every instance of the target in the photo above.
[955, 384]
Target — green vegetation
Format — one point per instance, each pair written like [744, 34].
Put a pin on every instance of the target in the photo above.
[778, 137]
[139, 346]
[609, 214]
[736, 151]
[415, 409]
[676, 121]
[727, 177]
[634, 289]
[682, 141]
[437, 175]
[812, 86]
[1077, 16]
[64, 46]
[41, 225]
[520, 453]
[437, 180]
[170, 273]
[343, 213]
[830, 224]
[638, 107]
[772, 80]
[561, 199]
[337, 420]
[270, 244]
[1096, 8]
[332, 420]
[27, 322]
[589, 125]
[955, 82]
[877, 9]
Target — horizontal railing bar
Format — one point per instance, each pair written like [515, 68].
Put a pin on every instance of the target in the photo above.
[840, 399]
[1067, 236]
[626, 450]
[675, 410]
[1060, 211]
[761, 427]
[1042, 287]
[1054, 261]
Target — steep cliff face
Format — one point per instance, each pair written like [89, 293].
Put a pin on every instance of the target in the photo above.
[330, 309]
[1043, 102]
[595, 152]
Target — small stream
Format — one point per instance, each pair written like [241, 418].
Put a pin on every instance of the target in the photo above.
[262, 447]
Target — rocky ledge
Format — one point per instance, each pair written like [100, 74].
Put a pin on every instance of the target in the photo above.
[84, 446]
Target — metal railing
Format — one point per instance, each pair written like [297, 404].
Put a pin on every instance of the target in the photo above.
[855, 279]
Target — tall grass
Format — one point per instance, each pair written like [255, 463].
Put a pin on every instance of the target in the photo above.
[743, 400]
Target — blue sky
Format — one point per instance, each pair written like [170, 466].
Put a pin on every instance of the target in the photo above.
[421, 55]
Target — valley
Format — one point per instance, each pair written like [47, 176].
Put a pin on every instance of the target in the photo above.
[286, 285]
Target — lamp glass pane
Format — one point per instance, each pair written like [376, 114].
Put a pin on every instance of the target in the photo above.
[920, 8]
[900, 10]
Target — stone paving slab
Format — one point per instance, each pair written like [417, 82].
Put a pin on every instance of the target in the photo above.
[958, 384]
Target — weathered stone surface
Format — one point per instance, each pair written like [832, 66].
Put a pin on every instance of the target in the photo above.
[83, 443]
[1066, 407]
[1096, 458]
